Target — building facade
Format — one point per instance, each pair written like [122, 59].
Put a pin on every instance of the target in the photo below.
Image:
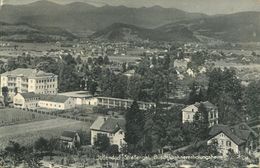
[31, 100]
[29, 80]
[113, 128]
[189, 112]
[81, 98]
[110, 102]
[238, 138]
[26, 100]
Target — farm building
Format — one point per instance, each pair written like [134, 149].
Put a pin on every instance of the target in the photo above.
[69, 138]
[32, 101]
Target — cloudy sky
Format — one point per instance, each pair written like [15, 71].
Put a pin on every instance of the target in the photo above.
[203, 6]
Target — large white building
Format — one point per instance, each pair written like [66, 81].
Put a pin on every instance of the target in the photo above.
[29, 80]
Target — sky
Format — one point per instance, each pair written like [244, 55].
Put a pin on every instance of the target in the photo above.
[210, 7]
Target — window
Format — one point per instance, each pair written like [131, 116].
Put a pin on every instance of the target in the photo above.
[228, 143]
[188, 117]
[211, 115]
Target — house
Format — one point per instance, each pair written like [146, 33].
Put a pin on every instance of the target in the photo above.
[70, 139]
[129, 73]
[25, 80]
[237, 138]
[190, 72]
[189, 112]
[26, 100]
[180, 64]
[113, 128]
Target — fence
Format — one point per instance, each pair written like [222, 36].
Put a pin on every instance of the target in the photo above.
[59, 113]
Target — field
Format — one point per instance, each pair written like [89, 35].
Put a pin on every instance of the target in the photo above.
[27, 133]
[9, 116]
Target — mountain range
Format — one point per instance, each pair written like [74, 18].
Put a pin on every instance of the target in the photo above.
[80, 16]
[126, 32]
[23, 32]
[120, 23]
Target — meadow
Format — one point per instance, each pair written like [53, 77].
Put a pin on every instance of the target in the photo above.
[10, 116]
[28, 133]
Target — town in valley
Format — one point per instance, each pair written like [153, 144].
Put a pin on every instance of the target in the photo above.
[122, 85]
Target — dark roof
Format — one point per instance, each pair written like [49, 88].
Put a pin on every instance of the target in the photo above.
[55, 98]
[68, 135]
[113, 125]
[27, 72]
[30, 95]
[208, 105]
[108, 124]
[237, 133]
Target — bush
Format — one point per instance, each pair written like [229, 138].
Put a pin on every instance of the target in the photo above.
[100, 110]
[113, 150]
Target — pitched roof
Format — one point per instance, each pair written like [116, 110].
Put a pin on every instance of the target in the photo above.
[98, 123]
[113, 125]
[237, 133]
[28, 72]
[208, 104]
[30, 95]
[68, 135]
[188, 108]
[108, 124]
[55, 98]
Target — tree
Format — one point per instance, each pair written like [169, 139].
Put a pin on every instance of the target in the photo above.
[252, 99]
[193, 96]
[93, 87]
[100, 61]
[106, 60]
[78, 60]
[113, 150]
[225, 91]
[41, 144]
[134, 127]
[102, 143]
[5, 91]
[201, 123]
[120, 86]
[16, 153]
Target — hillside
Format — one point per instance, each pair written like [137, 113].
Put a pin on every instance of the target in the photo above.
[23, 32]
[84, 17]
[238, 27]
[126, 32]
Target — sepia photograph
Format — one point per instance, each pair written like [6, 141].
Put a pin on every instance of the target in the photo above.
[130, 83]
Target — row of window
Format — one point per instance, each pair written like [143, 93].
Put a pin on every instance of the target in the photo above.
[45, 86]
[47, 92]
[11, 84]
[44, 81]
[50, 105]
